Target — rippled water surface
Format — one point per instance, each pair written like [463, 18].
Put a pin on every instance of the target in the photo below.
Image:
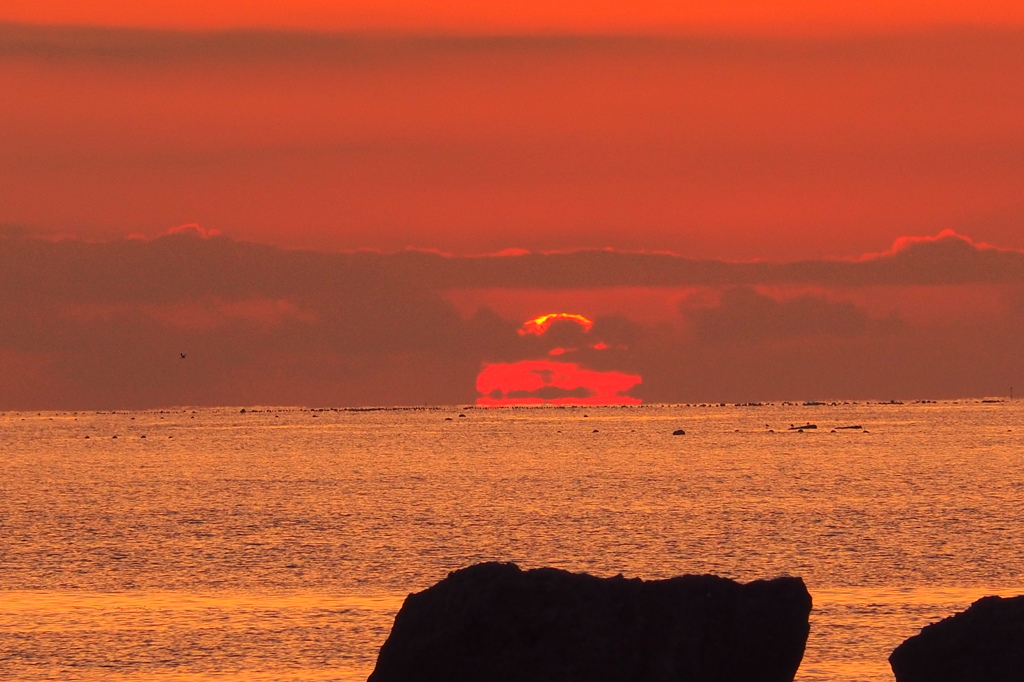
[279, 543]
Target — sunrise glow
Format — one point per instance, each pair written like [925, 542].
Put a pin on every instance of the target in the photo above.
[539, 325]
[545, 381]
[538, 382]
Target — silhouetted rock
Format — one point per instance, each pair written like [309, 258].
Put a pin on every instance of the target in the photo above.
[679, 432]
[495, 623]
[985, 643]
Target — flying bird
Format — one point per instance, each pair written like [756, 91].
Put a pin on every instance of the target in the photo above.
[183, 355]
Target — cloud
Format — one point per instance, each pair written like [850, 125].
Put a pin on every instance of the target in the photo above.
[190, 263]
[743, 316]
[740, 345]
[148, 46]
[194, 229]
[101, 325]
[947, 240]
[207, 313]
[258, 324]
[947, 258]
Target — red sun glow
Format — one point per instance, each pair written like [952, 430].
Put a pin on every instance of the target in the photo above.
[542, 381]
[539, 382]
[539, 325]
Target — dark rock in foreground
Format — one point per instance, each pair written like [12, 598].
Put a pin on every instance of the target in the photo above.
[985, 643]
[495, 623]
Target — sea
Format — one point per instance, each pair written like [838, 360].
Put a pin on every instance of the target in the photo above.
[203, 544]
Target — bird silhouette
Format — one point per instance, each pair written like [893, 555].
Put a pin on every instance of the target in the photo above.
[183, 355]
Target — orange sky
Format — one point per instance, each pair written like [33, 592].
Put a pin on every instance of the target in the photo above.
[505, 16]
[715, 147]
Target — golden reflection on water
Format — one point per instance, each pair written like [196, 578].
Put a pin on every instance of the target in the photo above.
[191, 636]
[853, 630]
[278, 544]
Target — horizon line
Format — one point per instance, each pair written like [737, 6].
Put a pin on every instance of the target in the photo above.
[706, 404]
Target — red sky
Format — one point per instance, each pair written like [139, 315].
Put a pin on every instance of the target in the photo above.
[523, 15]
[723, 131]
[716, 147]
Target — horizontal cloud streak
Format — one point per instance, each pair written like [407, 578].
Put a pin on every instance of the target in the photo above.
[103, 325]
[946, 259]
[744, 316]
[183, 267]
[147, 44]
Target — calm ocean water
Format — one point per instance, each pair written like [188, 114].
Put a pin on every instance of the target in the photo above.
[278, 544]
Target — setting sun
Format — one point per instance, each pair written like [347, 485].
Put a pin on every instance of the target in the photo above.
[539, 325]
[539, 381]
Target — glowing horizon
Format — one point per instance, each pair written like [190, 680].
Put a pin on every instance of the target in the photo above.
[540, 324]
[547, 382]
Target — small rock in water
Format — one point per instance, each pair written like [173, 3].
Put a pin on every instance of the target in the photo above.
[679, 432]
